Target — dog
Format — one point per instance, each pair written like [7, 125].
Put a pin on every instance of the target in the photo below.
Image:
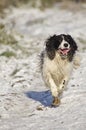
[57, 61]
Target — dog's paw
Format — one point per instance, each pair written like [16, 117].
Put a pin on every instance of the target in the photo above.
[56, 102]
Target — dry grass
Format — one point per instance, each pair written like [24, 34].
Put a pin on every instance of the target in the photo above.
[73, 6]
[5, 37]
[43, 3]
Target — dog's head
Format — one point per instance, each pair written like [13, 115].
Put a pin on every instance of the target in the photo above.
[62, 44]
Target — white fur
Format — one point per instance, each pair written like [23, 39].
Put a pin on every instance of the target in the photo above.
[62, 44]
[56, 72]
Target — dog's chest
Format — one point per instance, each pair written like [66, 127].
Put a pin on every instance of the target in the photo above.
[59, 67]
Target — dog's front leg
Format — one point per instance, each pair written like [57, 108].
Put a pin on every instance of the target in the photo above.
[55, 92]
[63, 84]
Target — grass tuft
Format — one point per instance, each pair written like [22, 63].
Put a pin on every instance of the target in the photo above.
[8, 54]
[5, 37]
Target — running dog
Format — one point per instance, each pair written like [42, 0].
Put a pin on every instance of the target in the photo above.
[57, 61]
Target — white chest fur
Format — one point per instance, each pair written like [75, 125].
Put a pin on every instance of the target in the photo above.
[58, 69]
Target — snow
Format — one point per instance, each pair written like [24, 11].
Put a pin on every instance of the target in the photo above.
[22, 89]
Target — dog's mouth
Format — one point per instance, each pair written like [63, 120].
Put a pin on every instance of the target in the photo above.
[64, 51]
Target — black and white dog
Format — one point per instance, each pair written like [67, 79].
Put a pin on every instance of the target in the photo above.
[57, 61]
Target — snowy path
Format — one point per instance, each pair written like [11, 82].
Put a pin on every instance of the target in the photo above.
[21, 87]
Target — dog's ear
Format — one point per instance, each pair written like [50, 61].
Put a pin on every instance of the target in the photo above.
[73, 43]
[50, 47]
[73, 47]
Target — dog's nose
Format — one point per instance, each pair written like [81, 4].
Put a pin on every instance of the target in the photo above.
[65, 45]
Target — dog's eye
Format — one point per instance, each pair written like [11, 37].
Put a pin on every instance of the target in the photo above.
[68, 37]
[59, 39]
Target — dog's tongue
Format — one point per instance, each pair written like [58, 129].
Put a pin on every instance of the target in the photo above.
[64, 51]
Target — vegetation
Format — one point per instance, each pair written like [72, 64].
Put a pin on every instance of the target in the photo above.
[5, 37]
[8, 54]
[43, 3]
[8, 38]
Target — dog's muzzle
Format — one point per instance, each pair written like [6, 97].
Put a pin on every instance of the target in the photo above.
[64, 52]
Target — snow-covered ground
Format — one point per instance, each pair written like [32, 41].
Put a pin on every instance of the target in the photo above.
[22, 89]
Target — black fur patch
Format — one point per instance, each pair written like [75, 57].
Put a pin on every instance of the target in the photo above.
[53, 43]
[41, 59]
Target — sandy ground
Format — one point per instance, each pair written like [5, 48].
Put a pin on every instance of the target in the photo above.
[21, 87]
